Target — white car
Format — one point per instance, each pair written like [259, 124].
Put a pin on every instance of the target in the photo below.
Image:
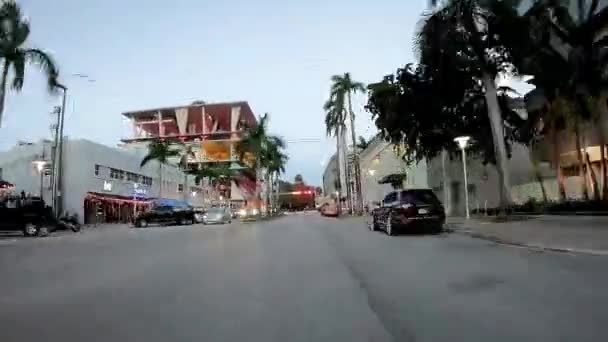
[248, 213]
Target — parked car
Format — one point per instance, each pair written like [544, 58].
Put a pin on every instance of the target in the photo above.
[412, 210]
[30, 216]
[217, 215]
[329, 209]
[166, 215]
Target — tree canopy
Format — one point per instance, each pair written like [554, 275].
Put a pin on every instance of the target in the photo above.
[407, 109]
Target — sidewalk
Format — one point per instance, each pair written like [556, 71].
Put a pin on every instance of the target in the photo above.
[578, 234]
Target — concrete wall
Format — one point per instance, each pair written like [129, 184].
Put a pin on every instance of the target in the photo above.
[483, 181]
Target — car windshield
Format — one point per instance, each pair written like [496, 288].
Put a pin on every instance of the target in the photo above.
[419, 197]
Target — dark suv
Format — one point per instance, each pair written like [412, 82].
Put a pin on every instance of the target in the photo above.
[30, 216]
[166, 215]
[408, 210]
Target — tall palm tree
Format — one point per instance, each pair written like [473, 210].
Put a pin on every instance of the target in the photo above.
[270, 158]
[472, 35]
[335, 125]
[344, 84]
[275, 163]
[258, 142]
[162, 152]
[254, 141]
[13, 35]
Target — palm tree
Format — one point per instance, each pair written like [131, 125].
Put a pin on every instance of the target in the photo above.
[214, 173]
[335, 119]
[271, 159]
[476, 36]
[258, 142]
[275, 162]
[15, 31]
[344, 84]
[162, 152]
[254, 141]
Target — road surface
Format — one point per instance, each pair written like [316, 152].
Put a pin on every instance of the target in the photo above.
[297, 278]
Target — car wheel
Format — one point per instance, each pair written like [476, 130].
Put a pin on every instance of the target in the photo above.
[30, 229]
[389, 225]
[182, 221]
[141, 223]
[43, 231]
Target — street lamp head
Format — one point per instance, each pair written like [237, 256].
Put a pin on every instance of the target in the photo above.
[462, 141]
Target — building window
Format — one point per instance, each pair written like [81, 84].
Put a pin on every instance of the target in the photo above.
[146, 180]
[180, 187]
[96, 169]
[113, 173]
[133, 177]
[121, 174]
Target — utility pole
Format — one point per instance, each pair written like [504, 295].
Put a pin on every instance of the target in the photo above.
[55, 129]
[58, 156]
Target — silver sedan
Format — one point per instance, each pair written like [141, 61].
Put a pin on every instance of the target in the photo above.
[217, 215]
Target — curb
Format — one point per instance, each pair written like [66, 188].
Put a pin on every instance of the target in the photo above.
[500, 241]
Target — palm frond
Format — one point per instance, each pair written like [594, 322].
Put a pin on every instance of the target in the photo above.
[148, 158]
[19, 72]
[46, 63]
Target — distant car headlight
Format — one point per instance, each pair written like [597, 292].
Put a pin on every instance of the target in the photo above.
[242, 212]
[255, 212]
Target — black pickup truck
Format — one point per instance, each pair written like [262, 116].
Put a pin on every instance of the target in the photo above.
[28, 215]
[167, 215]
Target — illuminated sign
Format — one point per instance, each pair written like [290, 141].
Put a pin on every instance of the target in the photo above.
[107, 186]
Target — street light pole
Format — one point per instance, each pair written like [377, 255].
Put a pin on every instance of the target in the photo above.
[58, 162]
[462, 143]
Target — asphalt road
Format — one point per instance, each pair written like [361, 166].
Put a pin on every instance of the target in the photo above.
[297, 278]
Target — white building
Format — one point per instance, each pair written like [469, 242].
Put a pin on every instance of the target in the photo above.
[96, 175]
[377, 161]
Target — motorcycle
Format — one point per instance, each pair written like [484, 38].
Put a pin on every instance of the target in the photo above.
[69, 221]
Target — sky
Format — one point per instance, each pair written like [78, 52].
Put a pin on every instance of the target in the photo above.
[277, 55]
